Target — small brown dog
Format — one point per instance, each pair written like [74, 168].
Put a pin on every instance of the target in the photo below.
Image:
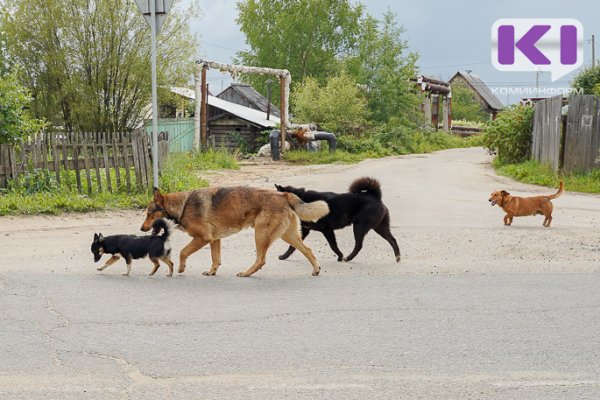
[522, 206]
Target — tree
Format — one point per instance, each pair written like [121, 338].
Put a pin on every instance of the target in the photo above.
[337, 106]
[87, 63]
[588, 80]
[15, 121]
[307, 37]
[466, 106]
[5, 65]
[382, 64]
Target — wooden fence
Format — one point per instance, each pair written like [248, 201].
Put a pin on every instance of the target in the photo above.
[570, 143]
[99, 161]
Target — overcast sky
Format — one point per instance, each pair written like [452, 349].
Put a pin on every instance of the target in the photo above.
[447, 35]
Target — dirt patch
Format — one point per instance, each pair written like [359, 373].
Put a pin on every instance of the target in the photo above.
[261, 172]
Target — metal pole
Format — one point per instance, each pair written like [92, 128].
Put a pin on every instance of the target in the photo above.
[203, 110]
[197, 109]
[593, 51]
[154, 94]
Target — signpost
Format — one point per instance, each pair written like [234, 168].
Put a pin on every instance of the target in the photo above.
[155, 12]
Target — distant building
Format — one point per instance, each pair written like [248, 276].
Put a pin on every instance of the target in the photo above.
[233, 125]
[489, 102]
[246, 95]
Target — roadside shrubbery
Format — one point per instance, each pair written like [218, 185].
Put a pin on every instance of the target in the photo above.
[509, 135]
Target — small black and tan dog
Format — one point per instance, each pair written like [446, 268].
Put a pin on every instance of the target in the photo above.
[361, 206]
[133, 247]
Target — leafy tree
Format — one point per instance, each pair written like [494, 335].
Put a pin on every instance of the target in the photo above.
[509, 135]
[87, 64]
[15, 121]
[305, 37]
[588, 80]
[466, 106]
[381, 63]
[338, 106]
[5, 65]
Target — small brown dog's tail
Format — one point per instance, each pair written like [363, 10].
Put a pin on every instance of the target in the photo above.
[312, 211]
[561, 188]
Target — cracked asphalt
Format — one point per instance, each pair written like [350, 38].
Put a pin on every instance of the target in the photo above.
[474, 310]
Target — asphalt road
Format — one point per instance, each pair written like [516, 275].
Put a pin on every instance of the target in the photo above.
[474, 310]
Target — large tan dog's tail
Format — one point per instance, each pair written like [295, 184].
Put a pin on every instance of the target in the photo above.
[312, 211]
[560, 191]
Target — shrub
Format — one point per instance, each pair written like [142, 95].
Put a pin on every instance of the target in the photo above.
[15, 120]
[509, 135]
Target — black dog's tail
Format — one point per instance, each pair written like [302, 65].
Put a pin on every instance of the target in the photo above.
[366, 185]
[159, 224]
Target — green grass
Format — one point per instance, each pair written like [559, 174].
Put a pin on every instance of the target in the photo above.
[363, 148]
[39, 193]
[325, 157]
[539, 174]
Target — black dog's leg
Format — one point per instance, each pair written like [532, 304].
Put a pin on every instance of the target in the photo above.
[360, 232]
[128, 259]
[383, 229]
[330, 236]
[291, 249]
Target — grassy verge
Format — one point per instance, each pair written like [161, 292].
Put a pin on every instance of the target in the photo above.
[39, 193]
[352, 150]
[539, 174]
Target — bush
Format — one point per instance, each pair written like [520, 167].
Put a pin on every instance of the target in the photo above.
[509, 135]
[15, 121]
[588, 80]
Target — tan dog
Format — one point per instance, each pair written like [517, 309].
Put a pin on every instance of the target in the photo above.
[208, 215]
[522, 206]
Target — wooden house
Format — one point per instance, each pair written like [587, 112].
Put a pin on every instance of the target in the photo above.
[234, 126]
[231, 125]
[246, 95]
[489, 102]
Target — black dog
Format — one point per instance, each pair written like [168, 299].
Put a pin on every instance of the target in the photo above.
[361, 206]
[133, 247]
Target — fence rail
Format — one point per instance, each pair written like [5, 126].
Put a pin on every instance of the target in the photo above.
[99, 161]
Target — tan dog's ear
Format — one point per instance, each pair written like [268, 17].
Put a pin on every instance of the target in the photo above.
[159, 199]
[504, 193]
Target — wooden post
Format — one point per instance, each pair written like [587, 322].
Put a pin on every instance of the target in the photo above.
[106, 163]
[427, 109]
[282, 112]
[450, 111]
[86, 164]
[445, 120]
[76, 162]
[204, 111]
[435, 110]
[97, 162]
[125, 154]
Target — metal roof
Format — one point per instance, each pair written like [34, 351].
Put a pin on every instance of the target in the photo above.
[481, 88]
[251, 115]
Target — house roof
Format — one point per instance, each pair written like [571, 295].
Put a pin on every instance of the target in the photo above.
[481, 88]
[256, 117]
[185, 92]
[248, 114]
[252, 95]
